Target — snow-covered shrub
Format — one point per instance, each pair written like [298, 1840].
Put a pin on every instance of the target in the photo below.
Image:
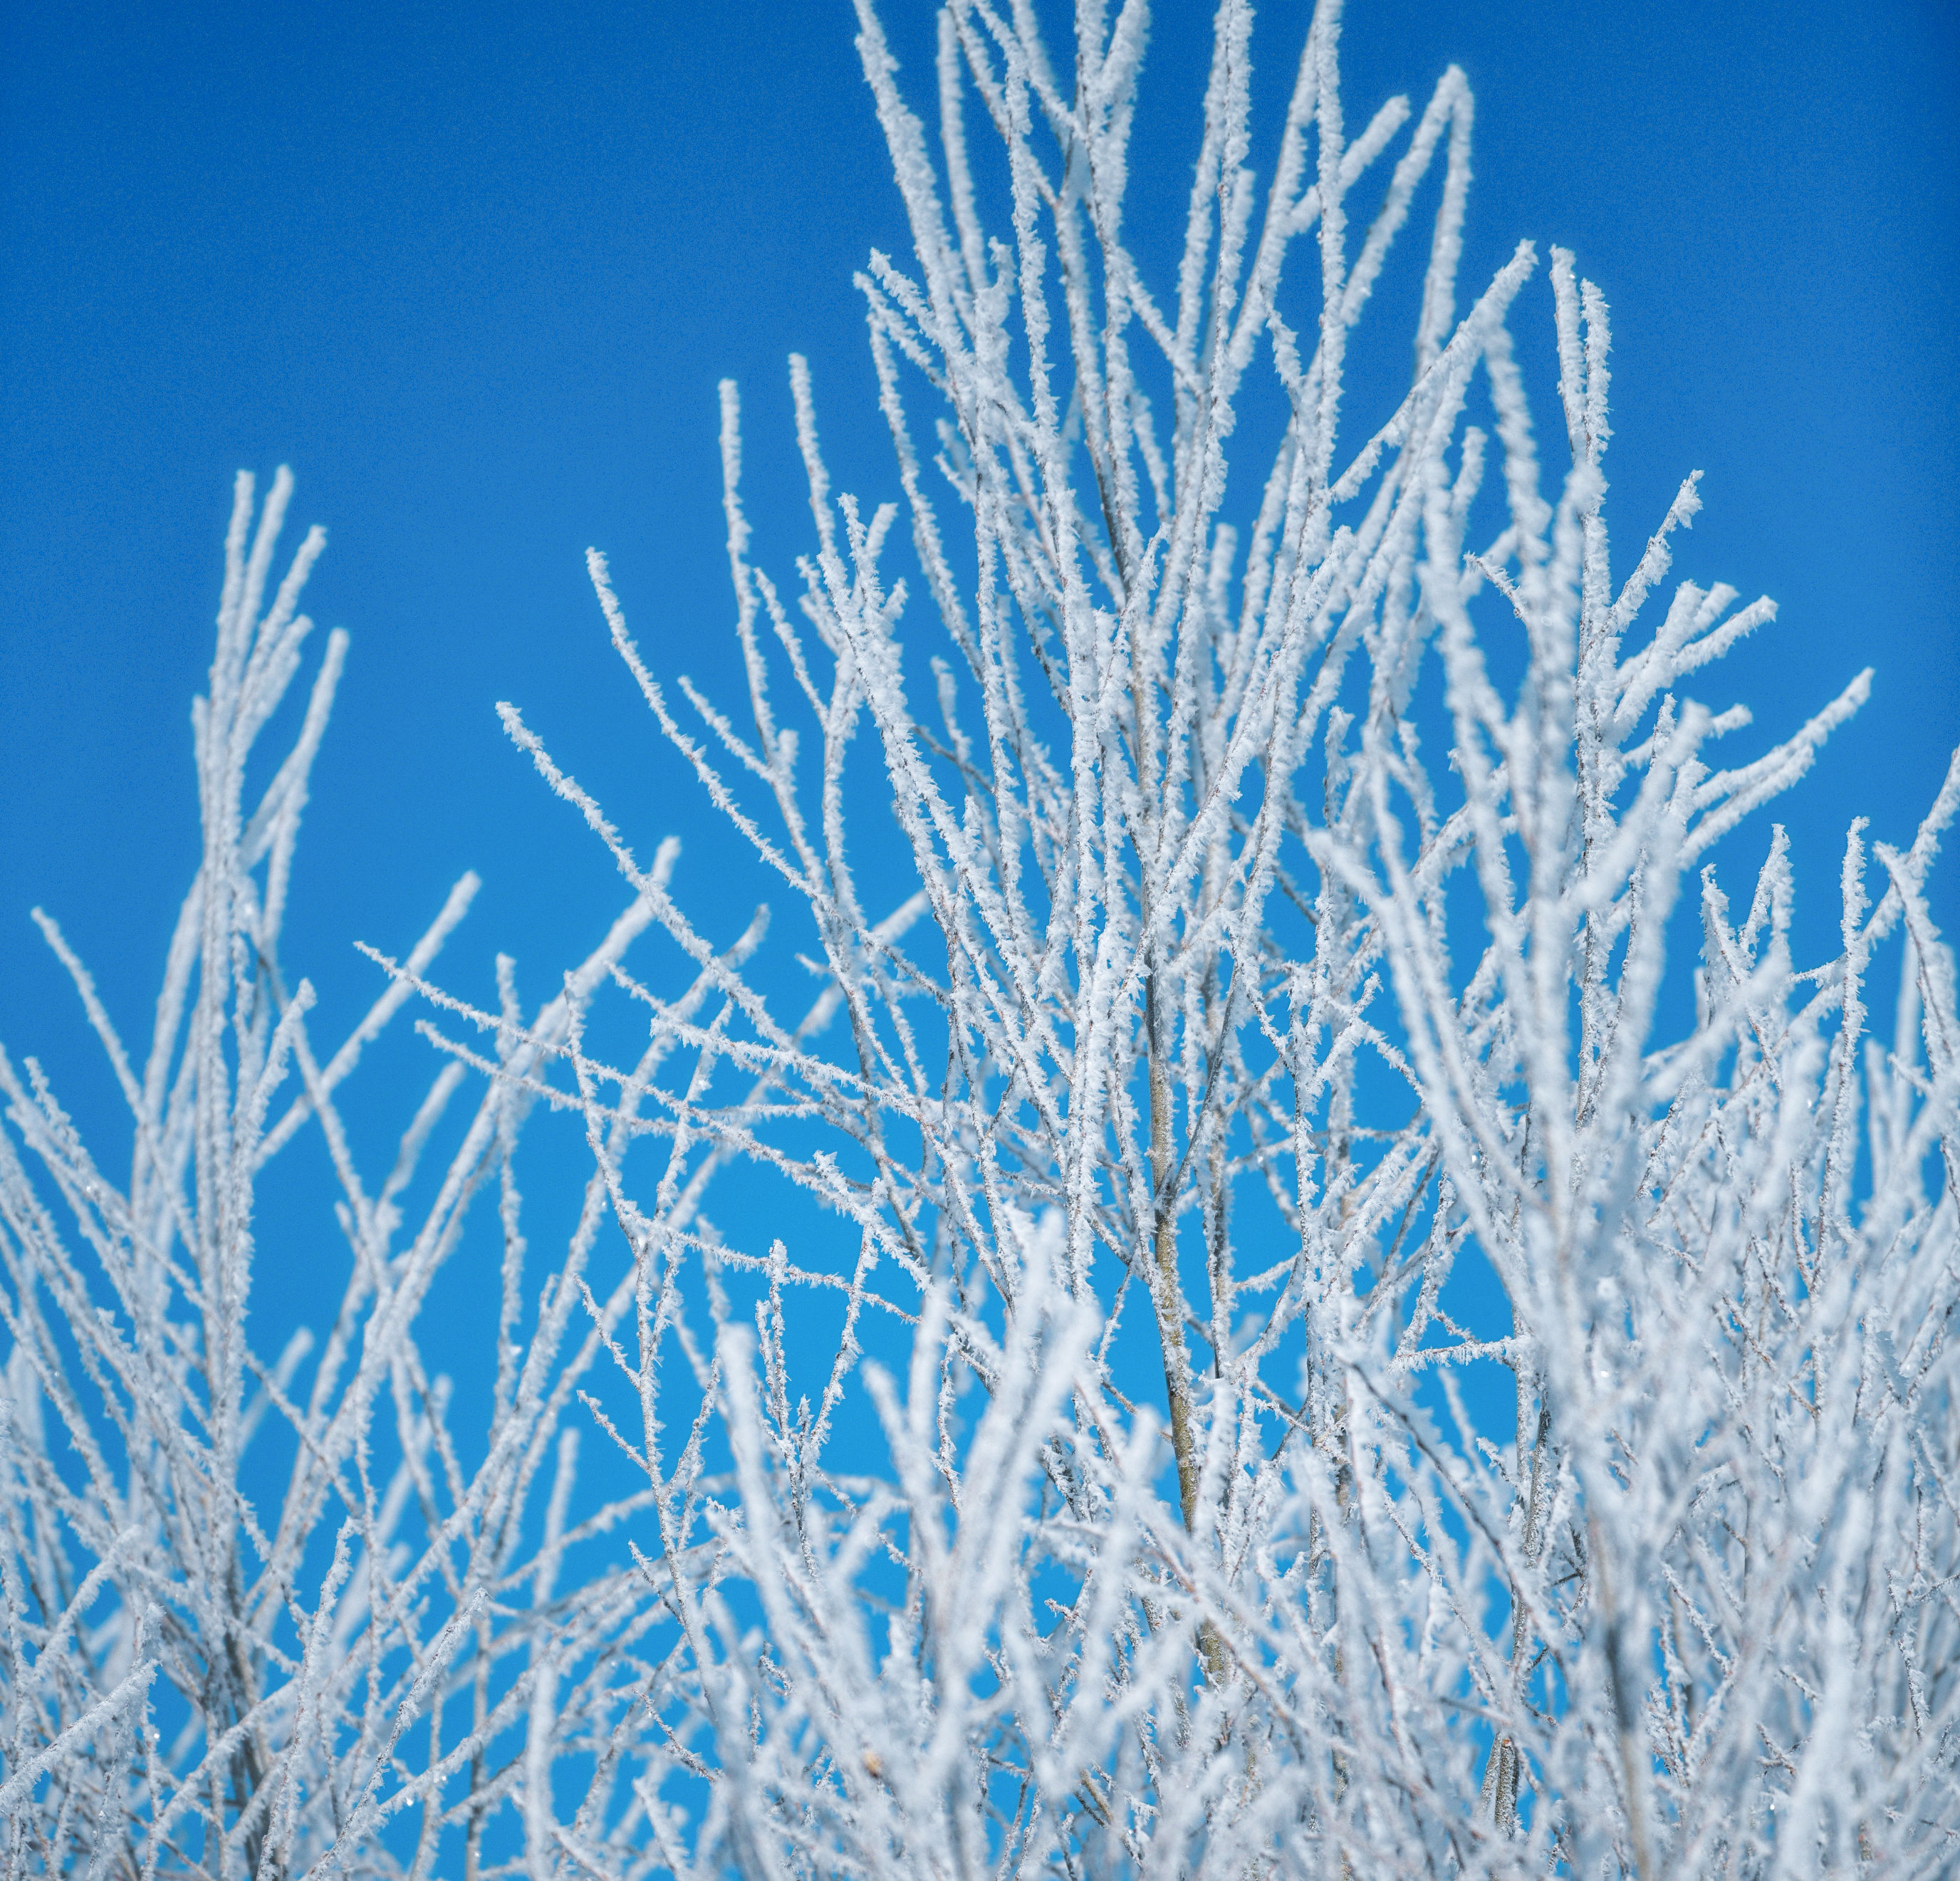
[1229, 1051]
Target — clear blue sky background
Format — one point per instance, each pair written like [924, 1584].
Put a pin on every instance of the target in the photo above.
[475, 272]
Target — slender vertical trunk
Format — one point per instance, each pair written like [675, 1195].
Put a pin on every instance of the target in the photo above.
[1170, 1327]
[1163, 1251]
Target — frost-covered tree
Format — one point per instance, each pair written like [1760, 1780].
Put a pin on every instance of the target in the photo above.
[1230, 1043]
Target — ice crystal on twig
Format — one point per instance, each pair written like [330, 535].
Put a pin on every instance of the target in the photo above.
[1224, 1022]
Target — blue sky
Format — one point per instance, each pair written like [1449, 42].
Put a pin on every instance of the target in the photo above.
[475, 272]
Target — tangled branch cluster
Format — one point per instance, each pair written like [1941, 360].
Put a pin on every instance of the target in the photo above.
[1228, 1045]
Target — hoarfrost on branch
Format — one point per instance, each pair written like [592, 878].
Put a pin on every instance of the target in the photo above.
[1223, 1025]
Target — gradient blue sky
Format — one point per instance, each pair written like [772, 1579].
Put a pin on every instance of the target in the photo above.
[474, 272]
